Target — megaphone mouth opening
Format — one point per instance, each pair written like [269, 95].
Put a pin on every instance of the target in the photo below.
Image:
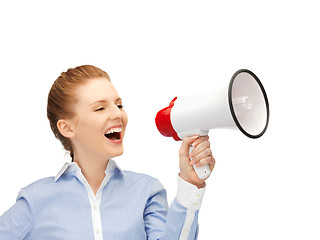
[247, 105]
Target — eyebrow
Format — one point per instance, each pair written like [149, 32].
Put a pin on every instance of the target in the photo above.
[104, 101]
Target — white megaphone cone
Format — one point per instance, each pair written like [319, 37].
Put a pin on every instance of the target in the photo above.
[243, 105]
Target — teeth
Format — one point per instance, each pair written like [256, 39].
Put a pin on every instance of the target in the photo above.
[112, 130]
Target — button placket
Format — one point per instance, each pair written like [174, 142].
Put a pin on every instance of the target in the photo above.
[96, 219]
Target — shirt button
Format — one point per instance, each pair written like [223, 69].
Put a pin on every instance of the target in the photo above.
[98, 231]
[198, 195]
[94, 207]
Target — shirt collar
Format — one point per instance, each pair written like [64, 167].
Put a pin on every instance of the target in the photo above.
[69, 167]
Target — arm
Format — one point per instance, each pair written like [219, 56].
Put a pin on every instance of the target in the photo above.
[16, 223]
[181, 221]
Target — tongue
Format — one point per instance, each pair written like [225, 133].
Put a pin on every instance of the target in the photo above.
[113, 136]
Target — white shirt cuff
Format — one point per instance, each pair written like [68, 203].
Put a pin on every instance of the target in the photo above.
[188, 195]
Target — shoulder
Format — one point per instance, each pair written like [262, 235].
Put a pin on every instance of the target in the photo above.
[145, 182]
[36, 188]
[139, 177]
[41, 183]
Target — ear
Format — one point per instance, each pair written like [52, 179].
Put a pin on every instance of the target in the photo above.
[64, 127]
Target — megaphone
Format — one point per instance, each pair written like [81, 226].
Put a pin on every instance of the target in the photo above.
[242, 105]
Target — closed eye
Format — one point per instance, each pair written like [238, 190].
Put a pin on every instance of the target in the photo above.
[99, 109]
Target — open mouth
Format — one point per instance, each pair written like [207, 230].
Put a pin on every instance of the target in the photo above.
[114, 133]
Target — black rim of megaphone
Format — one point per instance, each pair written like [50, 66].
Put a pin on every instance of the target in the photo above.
[231, 105]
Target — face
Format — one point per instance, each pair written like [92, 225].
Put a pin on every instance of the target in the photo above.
[100, 121]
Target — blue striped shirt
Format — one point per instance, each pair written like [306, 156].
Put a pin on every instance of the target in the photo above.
[127, 206]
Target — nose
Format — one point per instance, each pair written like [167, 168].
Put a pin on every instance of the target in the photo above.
[115, 112]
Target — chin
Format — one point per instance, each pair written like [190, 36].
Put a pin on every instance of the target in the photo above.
[118, 154]
[114, 153]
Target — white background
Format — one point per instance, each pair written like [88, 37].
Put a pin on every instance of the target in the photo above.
[153, 51]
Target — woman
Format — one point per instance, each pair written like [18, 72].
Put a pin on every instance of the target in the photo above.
[91, 197]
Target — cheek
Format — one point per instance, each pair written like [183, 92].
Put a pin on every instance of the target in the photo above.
[87, 126]
[124, 119]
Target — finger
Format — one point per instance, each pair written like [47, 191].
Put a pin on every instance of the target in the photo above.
[207, 160]
[199, 148]
[199, 140]
[205, 153]
[212, 163]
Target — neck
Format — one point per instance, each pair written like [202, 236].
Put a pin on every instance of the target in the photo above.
[93, 169]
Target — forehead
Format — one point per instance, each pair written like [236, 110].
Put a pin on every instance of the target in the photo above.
[96, 89]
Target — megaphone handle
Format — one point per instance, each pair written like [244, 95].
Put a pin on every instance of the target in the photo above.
[203, 171]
